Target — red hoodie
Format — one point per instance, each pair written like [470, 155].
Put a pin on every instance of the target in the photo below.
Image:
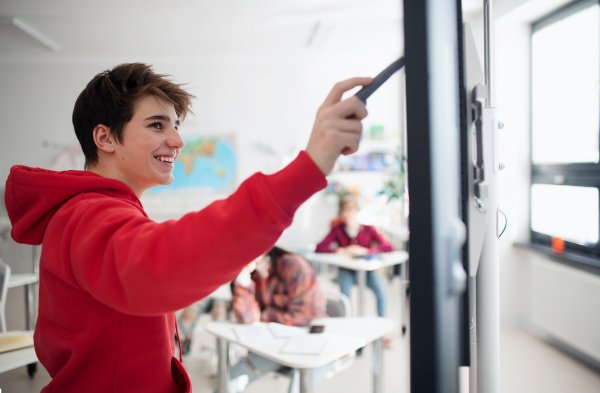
[111, 278]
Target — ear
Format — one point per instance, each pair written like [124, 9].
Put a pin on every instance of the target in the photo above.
[104, 139]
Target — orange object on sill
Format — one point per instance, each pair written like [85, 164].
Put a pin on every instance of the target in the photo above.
[558, 244]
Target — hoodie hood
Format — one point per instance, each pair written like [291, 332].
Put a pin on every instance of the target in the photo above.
[33, 195]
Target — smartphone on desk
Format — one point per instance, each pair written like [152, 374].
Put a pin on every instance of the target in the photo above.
[316, 329]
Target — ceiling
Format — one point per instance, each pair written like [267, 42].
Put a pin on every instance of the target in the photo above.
[88, 30]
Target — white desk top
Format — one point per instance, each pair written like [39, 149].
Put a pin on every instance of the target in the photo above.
[365, 328]
[343, 336]
[384, 259]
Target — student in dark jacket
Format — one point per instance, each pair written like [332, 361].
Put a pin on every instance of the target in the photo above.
[350, 237]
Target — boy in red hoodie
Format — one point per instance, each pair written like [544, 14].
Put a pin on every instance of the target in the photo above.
[111, 278]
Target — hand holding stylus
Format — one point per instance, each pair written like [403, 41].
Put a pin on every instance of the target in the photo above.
[338, 126]
[384, 75]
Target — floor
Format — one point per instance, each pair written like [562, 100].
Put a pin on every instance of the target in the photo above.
[527, 365]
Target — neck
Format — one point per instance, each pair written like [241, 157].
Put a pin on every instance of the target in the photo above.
[106, 172]
[353, 225]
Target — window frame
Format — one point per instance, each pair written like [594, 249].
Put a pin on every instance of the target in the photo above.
[568, 174]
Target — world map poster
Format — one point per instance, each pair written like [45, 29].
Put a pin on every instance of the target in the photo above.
[205, 164]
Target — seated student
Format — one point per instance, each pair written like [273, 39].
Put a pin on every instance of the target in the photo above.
[279, 287]
[351, 238]
[111, 278]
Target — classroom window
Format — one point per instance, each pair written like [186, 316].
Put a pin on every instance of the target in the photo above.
[553, 212]
[565, 128]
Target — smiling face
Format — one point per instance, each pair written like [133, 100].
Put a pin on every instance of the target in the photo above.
[150, 145]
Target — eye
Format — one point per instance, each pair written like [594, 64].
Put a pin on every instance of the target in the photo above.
[156, 125]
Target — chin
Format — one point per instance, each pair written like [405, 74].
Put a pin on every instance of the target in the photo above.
[167, 180]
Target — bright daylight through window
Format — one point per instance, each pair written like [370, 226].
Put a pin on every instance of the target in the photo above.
[565, 135]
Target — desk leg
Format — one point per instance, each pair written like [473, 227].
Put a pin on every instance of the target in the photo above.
[306, 380]
[223, 361]
[377, 366]
[361, 276]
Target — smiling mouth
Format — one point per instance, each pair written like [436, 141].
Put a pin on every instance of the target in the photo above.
[166, 159]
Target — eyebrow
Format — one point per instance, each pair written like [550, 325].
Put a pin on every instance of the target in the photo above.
[163, 118]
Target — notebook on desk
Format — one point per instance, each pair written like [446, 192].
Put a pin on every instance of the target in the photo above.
[309, 344]
[267, 331]
[252, 332]
[12, 341]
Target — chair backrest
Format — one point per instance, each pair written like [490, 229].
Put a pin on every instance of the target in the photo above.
[4, 277]
[338, 304]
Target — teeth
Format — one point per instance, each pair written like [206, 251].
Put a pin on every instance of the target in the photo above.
[167, 159]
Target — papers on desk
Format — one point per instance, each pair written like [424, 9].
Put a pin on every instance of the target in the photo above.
[299, 340]
[266, 331]
[282, 331]
[252, 332]
[309, 344]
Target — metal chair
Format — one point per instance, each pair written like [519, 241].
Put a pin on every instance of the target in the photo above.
[338, 304]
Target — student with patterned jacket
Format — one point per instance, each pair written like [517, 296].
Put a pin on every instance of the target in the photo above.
[111, 278]
[277, 287]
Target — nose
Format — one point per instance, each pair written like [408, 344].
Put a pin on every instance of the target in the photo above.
[174, 139]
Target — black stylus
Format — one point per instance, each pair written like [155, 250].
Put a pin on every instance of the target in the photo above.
[366, 91]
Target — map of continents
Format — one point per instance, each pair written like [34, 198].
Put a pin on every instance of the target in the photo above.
[207, 164]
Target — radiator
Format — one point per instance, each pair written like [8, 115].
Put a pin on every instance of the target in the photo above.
[565, 303]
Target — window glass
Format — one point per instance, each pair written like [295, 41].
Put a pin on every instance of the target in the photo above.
[565, 211]
[565, 90]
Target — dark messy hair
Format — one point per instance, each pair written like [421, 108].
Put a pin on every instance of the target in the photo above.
[274, 254]
[109, 99]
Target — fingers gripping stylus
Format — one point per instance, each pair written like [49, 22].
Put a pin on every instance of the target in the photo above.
[384, 75]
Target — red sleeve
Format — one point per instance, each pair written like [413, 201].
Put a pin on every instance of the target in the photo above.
[138, 266]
